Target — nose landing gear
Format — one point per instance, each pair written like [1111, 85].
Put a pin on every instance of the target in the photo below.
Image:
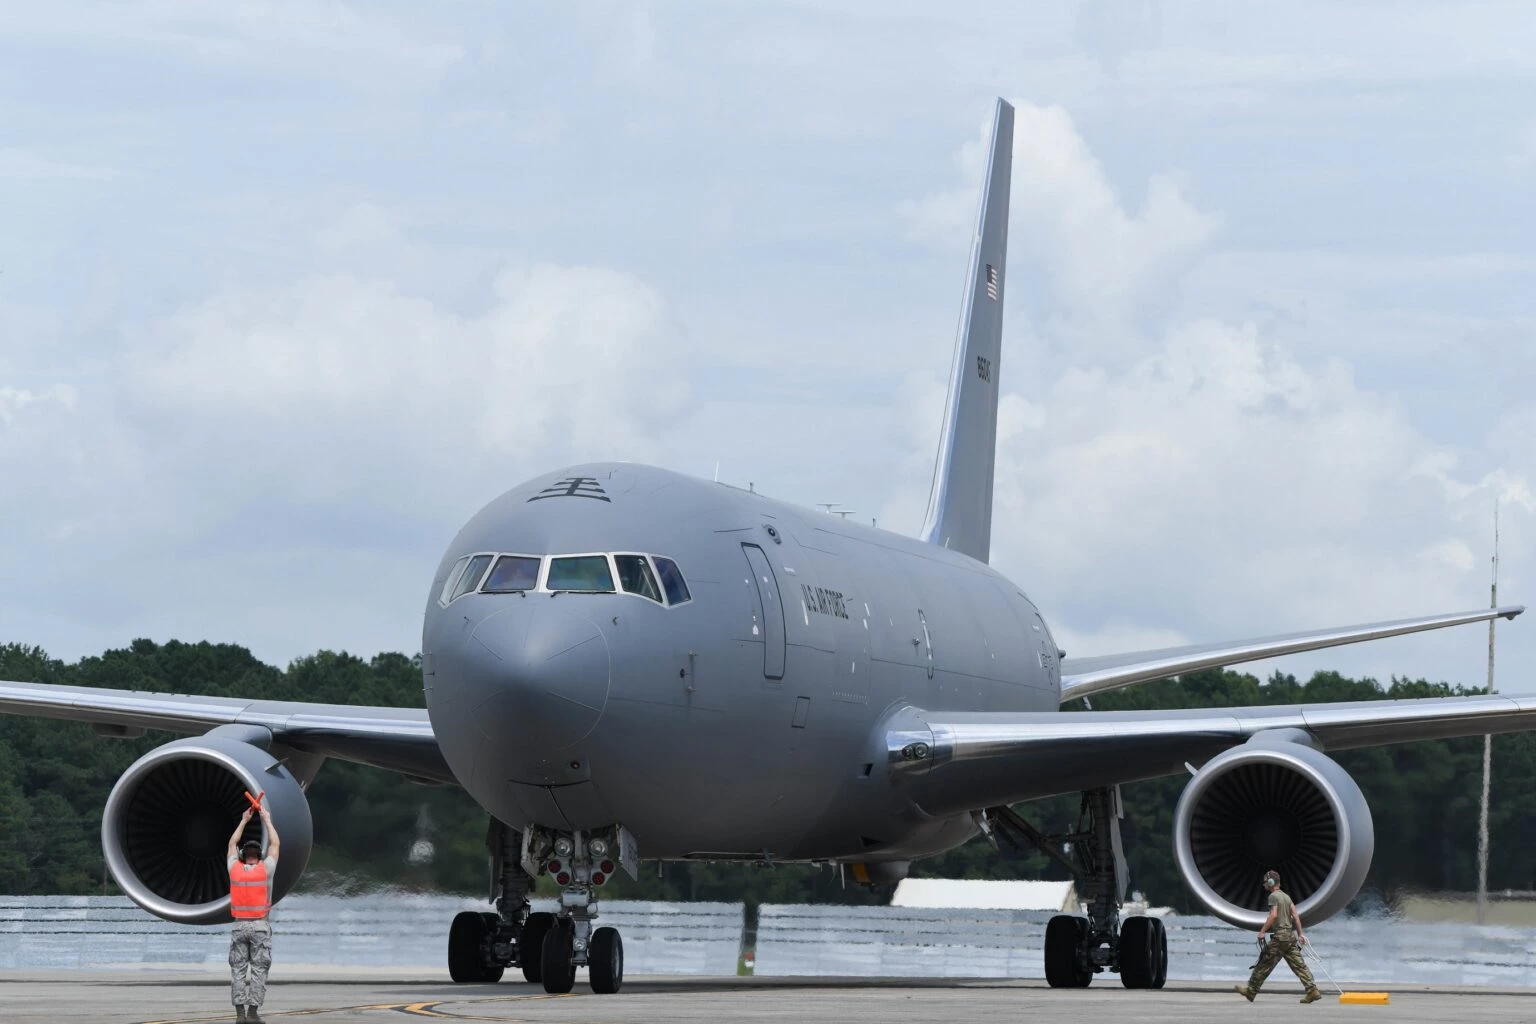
[548, 947]
[581, 863]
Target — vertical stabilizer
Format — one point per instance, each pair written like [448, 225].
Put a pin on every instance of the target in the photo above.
[960, 504]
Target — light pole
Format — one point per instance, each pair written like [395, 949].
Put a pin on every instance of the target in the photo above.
[1482, 815]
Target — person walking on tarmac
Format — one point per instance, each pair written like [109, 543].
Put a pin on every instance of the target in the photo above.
[250, 900]
[1286, 940]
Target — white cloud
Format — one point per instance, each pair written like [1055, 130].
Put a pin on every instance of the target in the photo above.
[15, 401]
[337, 385]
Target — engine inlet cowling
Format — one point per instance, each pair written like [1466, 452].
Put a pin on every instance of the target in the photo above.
[1273, 805]
[166, 827]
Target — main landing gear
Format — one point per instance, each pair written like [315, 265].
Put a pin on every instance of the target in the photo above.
[482, 946]
[1077, 948]
[549, 947]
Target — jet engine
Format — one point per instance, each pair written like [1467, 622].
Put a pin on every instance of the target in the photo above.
[1273, 803]
[166, 827]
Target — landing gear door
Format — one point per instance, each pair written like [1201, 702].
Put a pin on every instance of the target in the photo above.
[772, 626]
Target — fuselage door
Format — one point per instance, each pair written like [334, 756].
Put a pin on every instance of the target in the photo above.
[773, 610]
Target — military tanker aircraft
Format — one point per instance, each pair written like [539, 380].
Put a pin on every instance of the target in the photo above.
[622, 662]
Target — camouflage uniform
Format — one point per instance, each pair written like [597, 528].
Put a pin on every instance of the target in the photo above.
[250, 952]
[1282, 945]
[250, 957]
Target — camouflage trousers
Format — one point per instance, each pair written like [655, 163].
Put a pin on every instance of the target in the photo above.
[1274, 951]
[250, 958]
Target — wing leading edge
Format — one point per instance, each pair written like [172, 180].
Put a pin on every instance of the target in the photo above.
[965, 761]
[1084, 677]
[396, 739]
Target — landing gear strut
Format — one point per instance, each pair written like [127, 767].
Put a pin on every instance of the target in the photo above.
[1077, 948]
[581, 863]
[481, 946]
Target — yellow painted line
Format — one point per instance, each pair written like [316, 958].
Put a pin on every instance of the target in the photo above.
[421, 1009]
[433, 1008]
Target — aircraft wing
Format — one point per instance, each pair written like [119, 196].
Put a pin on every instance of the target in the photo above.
[1084, 677]
[397, 739]
[967, 761]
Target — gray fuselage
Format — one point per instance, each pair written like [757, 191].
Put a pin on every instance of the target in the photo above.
[719, 727]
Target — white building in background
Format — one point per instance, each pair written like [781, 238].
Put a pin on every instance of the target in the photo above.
[985, 894]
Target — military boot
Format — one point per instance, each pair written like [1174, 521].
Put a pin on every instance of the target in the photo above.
[1244, 991]
[240, 1012]
[252, 1017]
[1312, 996]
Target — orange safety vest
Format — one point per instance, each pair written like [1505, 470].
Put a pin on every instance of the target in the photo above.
[248, 891]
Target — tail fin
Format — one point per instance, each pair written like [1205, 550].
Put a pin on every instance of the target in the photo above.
[960, 504]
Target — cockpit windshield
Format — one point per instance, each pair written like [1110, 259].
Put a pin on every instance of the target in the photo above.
[652, 577]
[635, 576]
[587, 573]
[511, 574]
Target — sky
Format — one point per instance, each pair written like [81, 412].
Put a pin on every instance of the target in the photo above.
[288, 290]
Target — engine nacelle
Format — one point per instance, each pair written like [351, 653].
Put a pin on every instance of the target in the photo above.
[1271, 803]
[166, 827]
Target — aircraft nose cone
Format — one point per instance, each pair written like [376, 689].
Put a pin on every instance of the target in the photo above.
[550, 672]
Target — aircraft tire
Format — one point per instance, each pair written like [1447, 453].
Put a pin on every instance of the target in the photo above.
[1138, 953]
[555, 967]
[1160, 946]
[492, 972]
[530, 946]
[605, 961]
[465, 936]
[1064, 938]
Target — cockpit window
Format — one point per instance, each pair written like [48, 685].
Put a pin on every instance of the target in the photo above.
[672, 580]
[512, 573]
[635, 576]
[453, 578]
[581, 572]
[471, 577]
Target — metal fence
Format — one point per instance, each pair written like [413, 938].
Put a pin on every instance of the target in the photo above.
[947, 943]
[388, 930]
[411, 931]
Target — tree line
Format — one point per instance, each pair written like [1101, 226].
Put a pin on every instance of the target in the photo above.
[374, 829]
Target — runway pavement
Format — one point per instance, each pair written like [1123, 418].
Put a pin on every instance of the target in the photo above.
[386, 996]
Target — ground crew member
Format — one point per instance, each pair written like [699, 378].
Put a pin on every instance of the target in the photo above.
[250, 899]
[1285, 942]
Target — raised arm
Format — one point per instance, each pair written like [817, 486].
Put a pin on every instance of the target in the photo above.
[234, 839]
[274, 843]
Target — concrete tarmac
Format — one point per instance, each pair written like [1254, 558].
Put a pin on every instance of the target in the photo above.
[377, 996]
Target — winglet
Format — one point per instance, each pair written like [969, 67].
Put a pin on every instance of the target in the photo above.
[960, 503]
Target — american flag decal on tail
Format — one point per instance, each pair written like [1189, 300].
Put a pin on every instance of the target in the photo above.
[991, 282]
